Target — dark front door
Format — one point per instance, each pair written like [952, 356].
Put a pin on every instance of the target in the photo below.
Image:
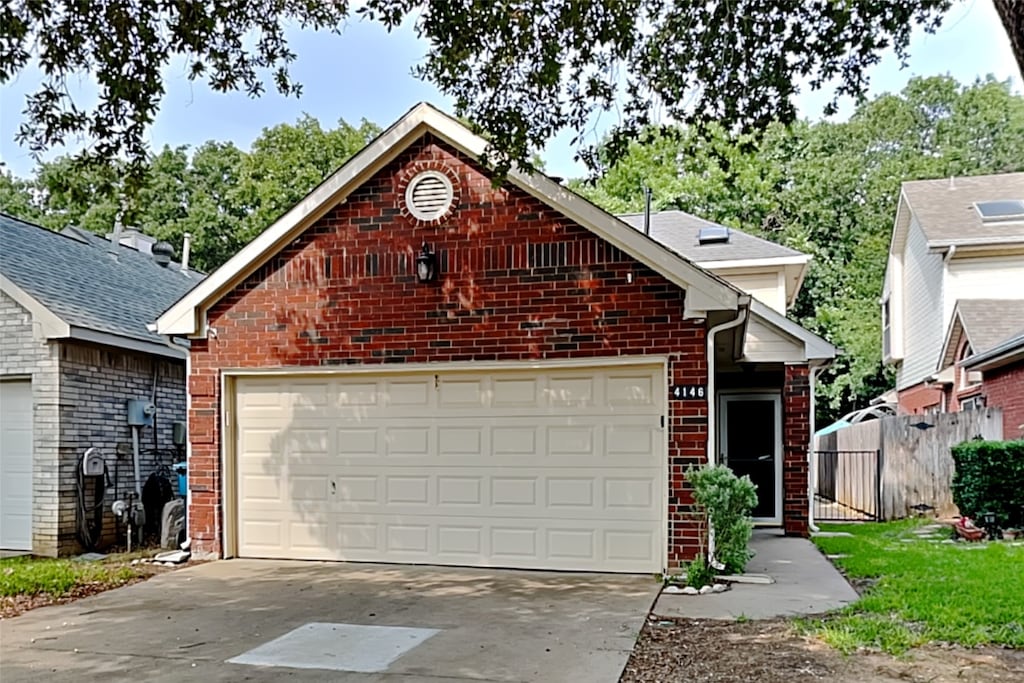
[749, 444]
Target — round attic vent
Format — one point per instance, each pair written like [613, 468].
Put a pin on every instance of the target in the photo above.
[429, 195]
[162, 253]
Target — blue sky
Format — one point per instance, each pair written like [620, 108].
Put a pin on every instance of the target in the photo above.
[366, 74]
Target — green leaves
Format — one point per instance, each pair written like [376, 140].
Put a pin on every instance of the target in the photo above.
[728, 500]
[828, 189]
[989, 477]
[524, 70]
[221, 195]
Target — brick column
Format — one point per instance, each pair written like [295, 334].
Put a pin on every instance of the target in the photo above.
[796, 435]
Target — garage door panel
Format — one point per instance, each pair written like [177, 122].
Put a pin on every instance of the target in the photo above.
[561, 469]
[16, 464]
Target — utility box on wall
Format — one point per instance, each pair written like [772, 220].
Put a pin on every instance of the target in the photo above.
[140, 412]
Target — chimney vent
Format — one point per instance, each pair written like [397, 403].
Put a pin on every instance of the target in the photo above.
[162, 253]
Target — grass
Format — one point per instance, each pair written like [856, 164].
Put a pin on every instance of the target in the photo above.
[55, 577]
[924, 591]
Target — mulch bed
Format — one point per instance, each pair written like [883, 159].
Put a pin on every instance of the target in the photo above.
[771, 651]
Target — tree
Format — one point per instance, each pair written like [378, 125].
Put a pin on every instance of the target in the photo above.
[219, 194]
[522, 70]
[829, 189]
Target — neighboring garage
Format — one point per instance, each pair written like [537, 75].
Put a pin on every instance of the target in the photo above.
[546, 468]
[16, 464]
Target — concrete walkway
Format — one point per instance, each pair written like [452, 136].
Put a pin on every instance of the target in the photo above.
[805, 582]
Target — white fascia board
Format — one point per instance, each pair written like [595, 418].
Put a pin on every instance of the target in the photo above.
[704, 290]
[51, 325]
[991, 242]
[795, 260]
[815, 348]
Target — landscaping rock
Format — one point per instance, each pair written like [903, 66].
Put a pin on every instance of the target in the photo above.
[704, 590]
[690, 590]
[719, 588]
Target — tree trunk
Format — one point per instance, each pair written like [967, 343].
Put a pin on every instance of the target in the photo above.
[1011, 13]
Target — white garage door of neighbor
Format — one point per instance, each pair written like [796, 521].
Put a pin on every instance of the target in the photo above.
[545, 469]
[16, 465]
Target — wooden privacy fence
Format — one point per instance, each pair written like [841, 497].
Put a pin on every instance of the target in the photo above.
[915, 459]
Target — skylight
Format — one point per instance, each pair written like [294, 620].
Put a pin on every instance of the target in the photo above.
[713, 234]
[1001, 210]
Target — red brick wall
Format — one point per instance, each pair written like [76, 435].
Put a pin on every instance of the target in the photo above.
[518, 282]
[1004, 388]
[796, 436]
[918, 398]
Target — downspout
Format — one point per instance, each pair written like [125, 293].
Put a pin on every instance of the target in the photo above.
[712, 405]
[812, 460]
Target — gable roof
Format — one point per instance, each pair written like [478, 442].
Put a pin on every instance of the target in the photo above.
[74, 280]
[679, 231]
[945, 208]
[704, 291]
[985, 323]
[1008, 351]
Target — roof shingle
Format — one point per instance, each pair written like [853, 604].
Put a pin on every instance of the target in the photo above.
[77, 277]
[945, 207]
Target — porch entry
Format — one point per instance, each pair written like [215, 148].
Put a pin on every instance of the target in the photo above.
[750, 442]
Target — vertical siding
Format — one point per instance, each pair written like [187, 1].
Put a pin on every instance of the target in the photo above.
[767, 287]
[923, 318]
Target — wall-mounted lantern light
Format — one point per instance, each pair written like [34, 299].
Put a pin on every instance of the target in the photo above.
[426, 265]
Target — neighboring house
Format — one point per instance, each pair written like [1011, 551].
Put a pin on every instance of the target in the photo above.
[416, 365]
[954, 240]
[770, 272]
[1002, 381]
[74, 349]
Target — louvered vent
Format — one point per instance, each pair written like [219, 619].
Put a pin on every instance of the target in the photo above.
[429, 195]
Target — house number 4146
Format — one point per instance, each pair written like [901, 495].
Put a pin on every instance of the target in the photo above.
[689, 391]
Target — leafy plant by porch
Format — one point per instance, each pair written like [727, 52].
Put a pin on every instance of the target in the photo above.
[917, 589]
[989, 477]
[728, 501]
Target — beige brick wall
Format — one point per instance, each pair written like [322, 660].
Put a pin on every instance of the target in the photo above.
[25, 354]
[79, 394]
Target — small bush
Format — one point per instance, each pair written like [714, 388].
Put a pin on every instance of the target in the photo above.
[989, 477]
[728, 501]
[699, 573]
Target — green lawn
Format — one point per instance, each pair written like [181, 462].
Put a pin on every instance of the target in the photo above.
[34, 576]
[926, 590]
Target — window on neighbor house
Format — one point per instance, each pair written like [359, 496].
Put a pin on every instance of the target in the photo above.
[886, 330]
[966, 376]
[973, 403]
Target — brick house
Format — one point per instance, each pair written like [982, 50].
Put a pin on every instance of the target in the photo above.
[74, 349]
[956, 242]
[1001, 381]
[417, 365]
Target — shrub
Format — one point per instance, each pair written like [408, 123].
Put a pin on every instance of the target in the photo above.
[728, 501]
[699, 573]
[989, 477]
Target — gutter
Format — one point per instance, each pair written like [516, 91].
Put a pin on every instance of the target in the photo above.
[744, 304]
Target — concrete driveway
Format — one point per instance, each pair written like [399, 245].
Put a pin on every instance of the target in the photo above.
[473, 624]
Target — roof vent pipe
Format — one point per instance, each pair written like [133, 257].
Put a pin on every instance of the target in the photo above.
[186, 251]
[115, 237]
[647, 210]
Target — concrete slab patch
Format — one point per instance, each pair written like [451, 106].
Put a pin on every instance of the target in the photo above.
[338, 647]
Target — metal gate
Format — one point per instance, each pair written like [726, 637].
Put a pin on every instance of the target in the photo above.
[848, 486]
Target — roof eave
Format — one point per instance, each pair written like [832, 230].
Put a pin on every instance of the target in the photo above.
[51, 324]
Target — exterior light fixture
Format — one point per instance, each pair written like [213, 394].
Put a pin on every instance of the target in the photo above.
[426, 265]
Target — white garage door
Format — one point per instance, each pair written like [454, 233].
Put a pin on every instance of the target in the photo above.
[553, 469]
[16, 465]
